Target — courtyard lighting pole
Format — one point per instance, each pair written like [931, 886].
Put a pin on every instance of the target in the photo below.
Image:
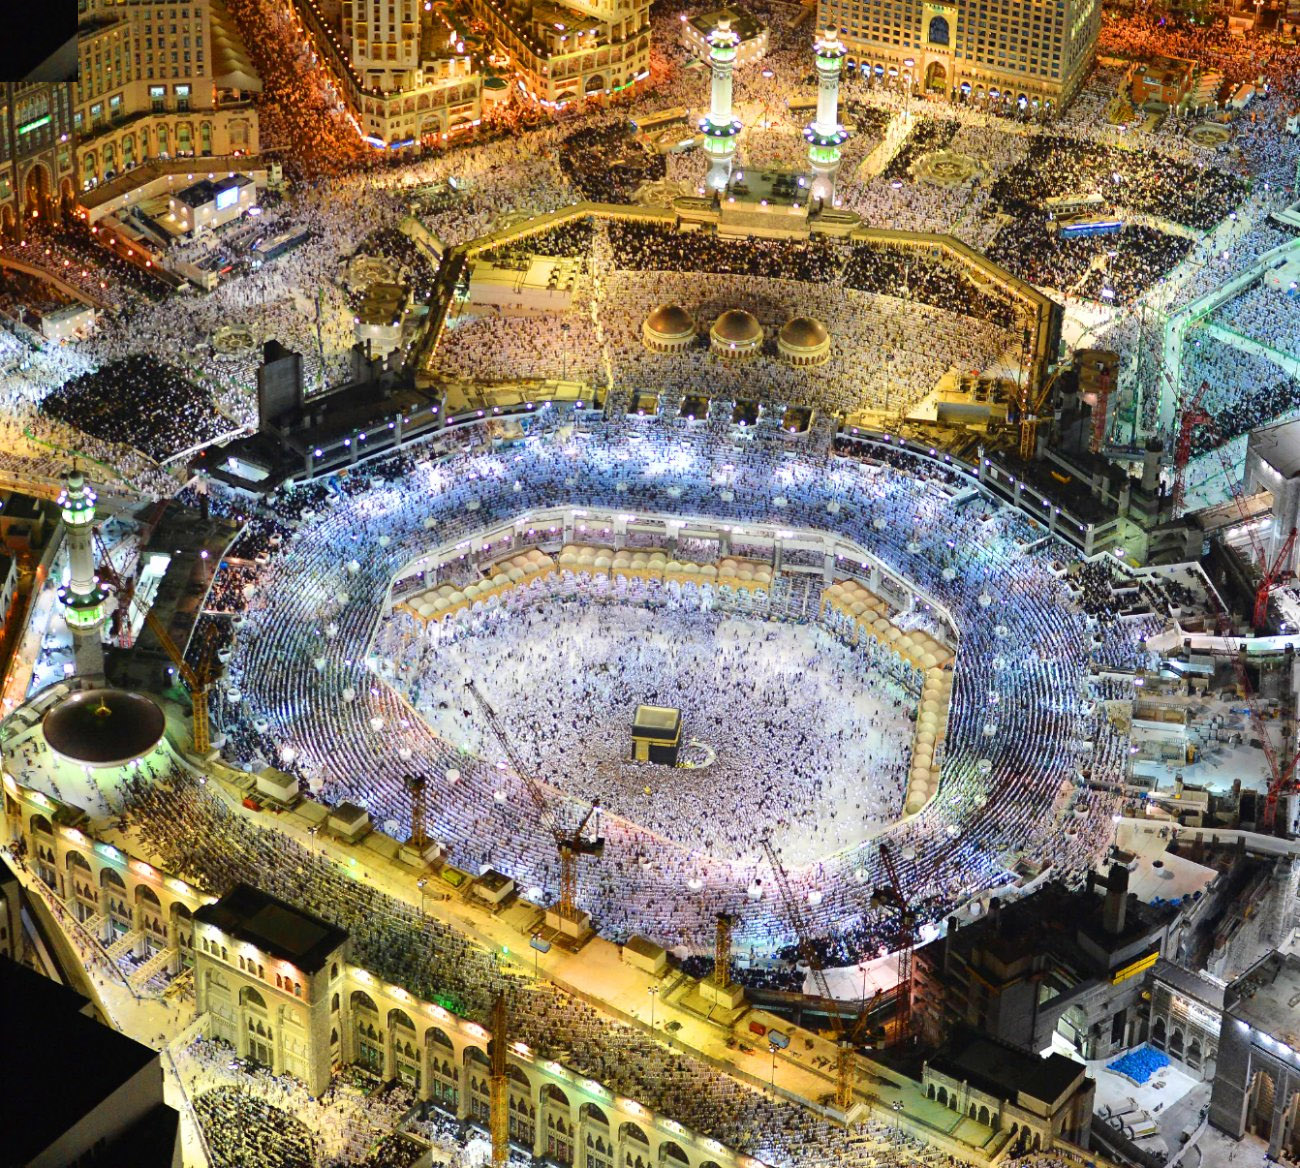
[654, 993]
[772, 1047]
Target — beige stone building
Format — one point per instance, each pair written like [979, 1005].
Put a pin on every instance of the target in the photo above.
[37, 166]
[976, 50]
[559, 54]
[399, 68]
[159, 80]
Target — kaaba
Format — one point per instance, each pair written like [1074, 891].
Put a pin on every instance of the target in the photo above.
[656, 734]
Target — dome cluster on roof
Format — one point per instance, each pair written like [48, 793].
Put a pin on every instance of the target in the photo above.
[736, 335]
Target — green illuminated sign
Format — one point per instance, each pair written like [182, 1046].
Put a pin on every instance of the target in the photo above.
[36, 125]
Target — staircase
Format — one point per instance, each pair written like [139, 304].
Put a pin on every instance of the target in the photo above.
[159, 963]
[124, 946]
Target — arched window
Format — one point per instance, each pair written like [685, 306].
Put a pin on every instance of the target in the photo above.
[938, 30]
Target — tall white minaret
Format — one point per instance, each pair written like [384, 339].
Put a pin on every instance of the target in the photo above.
[825, 134]
[719, 127]
[83, 597]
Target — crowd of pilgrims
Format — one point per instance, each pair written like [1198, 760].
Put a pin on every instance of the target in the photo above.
[781, 721]
[251, 1116]
[167, 413]
[187, 828]
[291, 637]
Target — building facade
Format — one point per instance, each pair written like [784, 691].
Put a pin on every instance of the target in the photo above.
[1257, 1082]
[402, 72]
[37, 164]
[560, 54]
[987, 51]
[159, 80]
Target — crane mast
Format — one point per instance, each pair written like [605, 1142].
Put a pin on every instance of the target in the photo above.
[844, 1067]
[570, 844]
[891, 896]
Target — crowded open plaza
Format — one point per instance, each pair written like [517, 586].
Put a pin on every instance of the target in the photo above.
[624, 585]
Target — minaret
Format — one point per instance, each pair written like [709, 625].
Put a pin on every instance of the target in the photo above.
[83, 597]
[720, 128]
[825, 135]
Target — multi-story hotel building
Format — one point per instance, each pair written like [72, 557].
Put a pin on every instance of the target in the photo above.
[402, 71]
[558, 53]
[1028, 52]
[159, 80]
[36, 160]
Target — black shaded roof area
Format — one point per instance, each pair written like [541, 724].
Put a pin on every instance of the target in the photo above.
[273, 926]
[1005, 1071]
[70, 1064]
[104, 727]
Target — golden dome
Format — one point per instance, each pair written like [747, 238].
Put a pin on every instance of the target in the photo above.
[803, 332]
[737, 327]
[670, 320]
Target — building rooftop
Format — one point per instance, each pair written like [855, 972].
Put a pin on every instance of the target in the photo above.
[743, 24]
[273, 926]
[1002, 1070]
[1278, 446]
[205, 190]
[70, 1063]
[1267, 997]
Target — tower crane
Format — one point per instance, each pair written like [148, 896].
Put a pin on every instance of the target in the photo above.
[891, 896]
[416, 788]
[1281, 774]
[499, 1087]
[1190, 416]
[794, 914]
[1273, 573]
[722, 950]
[198, 680]
[570, 844]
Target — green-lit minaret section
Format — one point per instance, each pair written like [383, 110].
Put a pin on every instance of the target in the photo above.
[719, 127]
[824, 134]
[83, 597]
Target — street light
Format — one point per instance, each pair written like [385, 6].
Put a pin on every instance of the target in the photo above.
[420, 885]
[772, 1047]
[654, 993]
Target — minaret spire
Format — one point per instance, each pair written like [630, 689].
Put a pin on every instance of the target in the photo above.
[83, 596]
[719, 127]
[825, 134]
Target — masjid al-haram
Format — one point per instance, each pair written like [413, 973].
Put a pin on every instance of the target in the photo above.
[597, 584]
